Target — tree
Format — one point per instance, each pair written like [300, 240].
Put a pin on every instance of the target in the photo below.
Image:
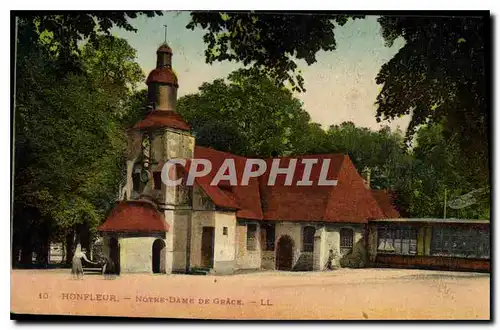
[438, 170]
[312, 140]
[247, 115]
[380, 151]
[270, 42]
[438, 76]
[61, 33]
[69, 139]
[110, 64]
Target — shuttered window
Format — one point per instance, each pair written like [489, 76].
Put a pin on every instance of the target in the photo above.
[308, 239]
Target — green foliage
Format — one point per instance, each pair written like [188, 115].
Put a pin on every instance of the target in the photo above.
[63, 32]
[247, 115]
[381, 151]
[439, 76]
[419, 177]
[438, 169]
[76, 93]
[69, 134]
[269, 42]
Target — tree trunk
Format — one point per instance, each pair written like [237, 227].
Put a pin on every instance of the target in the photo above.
[70, 243]
[27, 251]
[43, 244]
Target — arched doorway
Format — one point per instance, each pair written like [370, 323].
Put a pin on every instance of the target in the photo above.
[284, 253]
[114, 255]
[159, 253]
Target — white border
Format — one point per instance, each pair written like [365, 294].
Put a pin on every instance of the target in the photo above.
[200, 5]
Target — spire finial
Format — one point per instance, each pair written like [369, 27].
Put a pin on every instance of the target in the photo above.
[165, 26]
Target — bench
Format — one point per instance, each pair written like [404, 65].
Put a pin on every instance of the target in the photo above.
[91, 268]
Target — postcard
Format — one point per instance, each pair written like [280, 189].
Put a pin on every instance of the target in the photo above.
[251, 165]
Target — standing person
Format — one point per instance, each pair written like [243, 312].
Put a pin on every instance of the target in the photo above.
[77, 267]
[329, 263]
[109, 269]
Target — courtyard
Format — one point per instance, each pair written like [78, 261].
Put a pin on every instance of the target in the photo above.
[370, 294]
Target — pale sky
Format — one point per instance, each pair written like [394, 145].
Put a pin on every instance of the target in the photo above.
[340, 85]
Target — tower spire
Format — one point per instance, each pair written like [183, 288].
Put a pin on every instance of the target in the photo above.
[165, 27]
[162, 81]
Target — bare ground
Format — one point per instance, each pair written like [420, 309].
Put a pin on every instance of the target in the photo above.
[340, 294]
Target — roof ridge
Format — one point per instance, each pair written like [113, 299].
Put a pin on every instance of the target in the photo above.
[222, 152]
[332, 190]
[308, 155]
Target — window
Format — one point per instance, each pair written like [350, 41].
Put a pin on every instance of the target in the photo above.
[251, 237]
[136, 181]
[224, 231]
[157, 180]
[346, 240]
[460, 242]
[270, 235]
[397, 240]
[308, 239]
[140, 177]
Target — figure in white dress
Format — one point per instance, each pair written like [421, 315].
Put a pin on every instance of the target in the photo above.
[77, 267]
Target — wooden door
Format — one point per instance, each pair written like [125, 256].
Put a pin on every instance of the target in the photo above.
[284, 253]
[207, 247]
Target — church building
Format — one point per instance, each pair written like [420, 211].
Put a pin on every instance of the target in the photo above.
[155, 228]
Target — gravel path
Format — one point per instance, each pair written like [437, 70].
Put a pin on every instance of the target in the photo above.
[340, 294]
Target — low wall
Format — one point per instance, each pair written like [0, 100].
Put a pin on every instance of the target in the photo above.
[136, 254]
[432, 262]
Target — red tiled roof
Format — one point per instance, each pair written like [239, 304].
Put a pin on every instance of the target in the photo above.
[162, 75]
[349, 201]
[134, 216]
[385, 201]
[245, 199]
[163, 118]
[295, 203]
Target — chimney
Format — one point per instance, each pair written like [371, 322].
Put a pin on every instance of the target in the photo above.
[367, 173]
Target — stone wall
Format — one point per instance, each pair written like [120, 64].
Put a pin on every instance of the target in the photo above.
[332, 238]
[301, 260]
[246, 259]
[201, 201]
[176, 144]
[320, 253]
[180, 241]
[166, 96]
[136, 254]
[200, 219]
[327, 238]
[225, 242]
[268, 260]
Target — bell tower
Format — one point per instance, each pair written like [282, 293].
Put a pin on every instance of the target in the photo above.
[151, 223]
[162, 81]
[162, 135]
